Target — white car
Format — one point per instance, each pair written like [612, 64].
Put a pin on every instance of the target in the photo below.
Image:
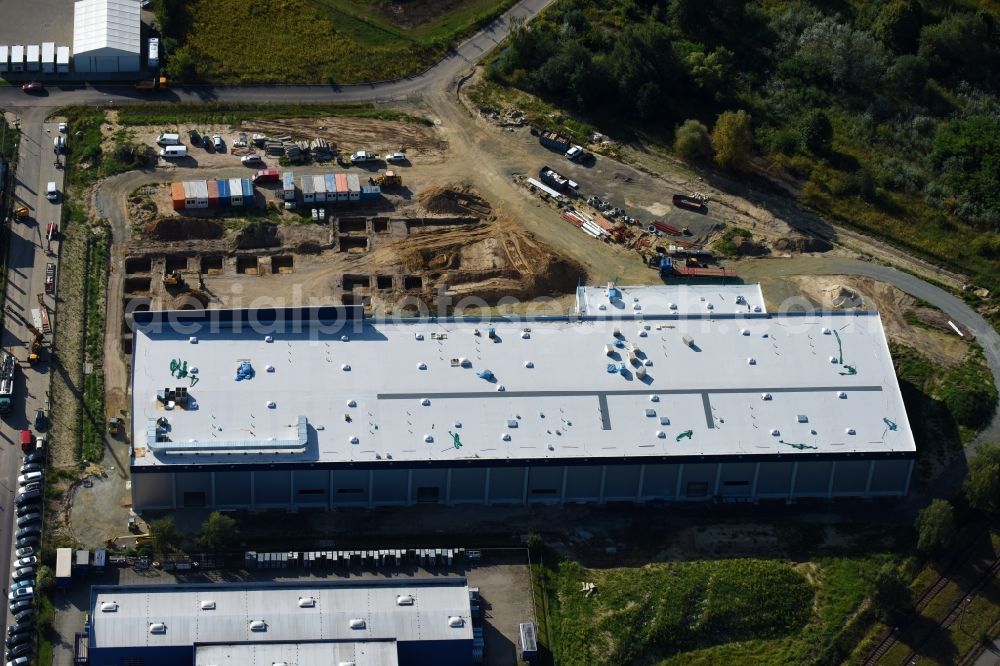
[26, 562]
[395, 158]
[63, 127]
[25, 479]
[363, 156]
[252, 160]
[21, 593]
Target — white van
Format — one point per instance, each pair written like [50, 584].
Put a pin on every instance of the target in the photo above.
[51, 193]
[169, 139]
[153, 61]
[59, 143]
[174, 152]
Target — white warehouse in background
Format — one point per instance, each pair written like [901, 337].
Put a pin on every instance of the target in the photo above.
[321, 408]
[106, 36]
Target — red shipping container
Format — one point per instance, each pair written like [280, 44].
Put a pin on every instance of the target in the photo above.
[177, 195]
[342, 186]
[213, 194]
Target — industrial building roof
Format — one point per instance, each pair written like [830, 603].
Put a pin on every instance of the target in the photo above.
[356, 610]
[613, 300]
[324, 653]
[334, 387]
[106, 24]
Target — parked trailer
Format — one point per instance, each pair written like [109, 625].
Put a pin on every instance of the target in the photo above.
[8, 371]
[320, 193]
[50, 278]
[554, 141]
[308, 193]
[688, 202]
[4, 57]
[331, 187]
[64, 567]
[225, 193]
[556, 180]
[669, 268]
[353, 187]
[236, 193]
[266, 176]
[48, 57]
[248, 192]
[62, 60]
[213, 194]
[177, 196]
[288, 186]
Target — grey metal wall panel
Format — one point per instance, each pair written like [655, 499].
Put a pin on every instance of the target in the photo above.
[232, 489]
[429, 485]
[774, 479]
[736, 479]
[890, 476]
[698, 481]
[272, 488]
[583, 482]
[153, 491]
[194, 489]
[851, 476]
[660, 481]
[621, 482]
[468, 485]
[350, 487]
[545, 484]
[389, 486]
[311, 487]
[506, 484]
[813, 479]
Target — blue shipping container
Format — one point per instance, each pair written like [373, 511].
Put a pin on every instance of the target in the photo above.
[247, 192]
[225, 199]
[370, 192]
[331, 186]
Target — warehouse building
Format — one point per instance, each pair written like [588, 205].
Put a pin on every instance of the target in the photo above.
[613, 300]
[365, 622]
[106, 36]
[319, 408]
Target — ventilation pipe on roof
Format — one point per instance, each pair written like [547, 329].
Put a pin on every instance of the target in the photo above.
[357, 623]
[456, 622]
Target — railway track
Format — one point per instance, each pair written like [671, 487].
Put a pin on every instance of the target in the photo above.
[890, 636]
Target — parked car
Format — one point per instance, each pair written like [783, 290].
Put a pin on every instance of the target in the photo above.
[24, 552]
[22, 605]
[241, 141]
[33, 86]
[20, 651]
[251, 160]
[31, 467]
[396, 158]
[217, 142]
[20, 661]
[35, 457]
[28, 498]
[30, 477]
[28, 614]
[16, 639]
[20, 628]
[26, 561]
[195, 137]
[29, 519]
[63, 128]
[28, 530]
[24, 573]
[27, 541]
[34, 485]
[41, 421]
[26, 509]
[21, 593]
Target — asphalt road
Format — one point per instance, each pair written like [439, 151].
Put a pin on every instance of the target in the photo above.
[26, 261]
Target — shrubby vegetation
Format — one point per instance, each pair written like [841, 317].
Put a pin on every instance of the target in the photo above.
[887, 111]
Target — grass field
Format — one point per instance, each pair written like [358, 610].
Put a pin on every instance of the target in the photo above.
[230, 114]
[330, 41]
[730, 611]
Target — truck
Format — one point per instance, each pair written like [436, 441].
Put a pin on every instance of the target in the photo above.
[50, 278]
[671, 268]
[266, 176]
[151, 84]
[8, 369]
[153, 58]
[27, 441]
[577, 154]
[362, 156]
[554, 141]
[689, 201]
[555, 180]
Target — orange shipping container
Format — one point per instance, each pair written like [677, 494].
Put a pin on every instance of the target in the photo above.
[342, 187]
[213, 194]
[177, 195]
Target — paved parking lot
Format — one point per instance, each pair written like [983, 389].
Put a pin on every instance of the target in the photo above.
[502, 578]
[36, 21]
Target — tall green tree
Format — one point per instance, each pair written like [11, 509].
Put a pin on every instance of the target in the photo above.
[692, 143]
[816, 132]
[936, 527]
[982, 485]
[890, 595]
[164, 535]
[218, 533]
[732, 139]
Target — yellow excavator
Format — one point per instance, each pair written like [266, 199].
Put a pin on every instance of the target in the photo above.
[388, 179]
[35, 348]
[173, 279]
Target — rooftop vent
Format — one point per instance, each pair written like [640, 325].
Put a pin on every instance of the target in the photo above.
[664, 420]
[751, 360]
[344, 338]
[661, 434]
[501, 388]
[357, 623]
[193, 339]
[765, 396]
[709, 306]
[464, 362]
[455, 622]
[851, 431]
[505, 437]
[421, 366]
[744, 331]
[529, 364]
[419, 336]
[826, 331]
[688, 340]
[352, 403]
[458, 424]
[650, 412]
[258, 625]
[268, 368]
[643, 334]
[841, 394]
[346, 367]
[803, 418]
[834, 359]
[355, 440]
[647, 362]
[654, 398]
[405, 600]
[270, 404]
[756, 308]
[525, 335]
[426, 402]
[345, 663]
[775, 432]
[208, 604]
[429, 439]
[307, 602]
[269, 338]
[157, 628]
[672, 306]
[109, 607]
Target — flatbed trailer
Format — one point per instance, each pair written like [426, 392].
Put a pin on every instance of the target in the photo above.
[8, 371]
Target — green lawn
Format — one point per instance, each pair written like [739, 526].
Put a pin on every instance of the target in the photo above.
[730, 611]
[331, 41]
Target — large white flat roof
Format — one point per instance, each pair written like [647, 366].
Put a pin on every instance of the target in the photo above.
[106, 24]
[237, 605]
[326, 653]
[412, 391]
[613, 299]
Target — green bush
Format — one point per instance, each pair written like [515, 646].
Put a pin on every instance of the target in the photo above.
[692, 143]
[936, 527]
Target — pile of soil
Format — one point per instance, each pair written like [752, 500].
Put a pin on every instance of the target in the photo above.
[454, 200]
[751, 248]
[802, 244]
[842, 297]
[183, 228]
